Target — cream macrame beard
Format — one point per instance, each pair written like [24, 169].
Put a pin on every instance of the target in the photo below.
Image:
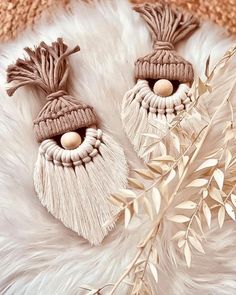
[82, 179]
[142, 109]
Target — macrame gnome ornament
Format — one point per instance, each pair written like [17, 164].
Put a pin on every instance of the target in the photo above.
[163, 77]
[74, 174]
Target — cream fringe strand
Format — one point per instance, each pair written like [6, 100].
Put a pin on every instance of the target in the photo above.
[141, 107]
[74, 184]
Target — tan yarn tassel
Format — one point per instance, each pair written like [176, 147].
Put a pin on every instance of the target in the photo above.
[47, 69]
[141, 107]
[167, 27]
[72, 184]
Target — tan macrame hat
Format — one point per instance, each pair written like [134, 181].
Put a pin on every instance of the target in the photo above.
[167, 26]
[47, 68]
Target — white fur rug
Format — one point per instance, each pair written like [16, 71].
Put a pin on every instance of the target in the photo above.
[38, 255]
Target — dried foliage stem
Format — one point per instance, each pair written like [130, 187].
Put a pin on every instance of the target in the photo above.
[154, 230]
[202, 197]
[151, 235]
[212, 186]
[148, 255]
[229, 194]
[192, 217]
[95, 291]
[192, 159]
[196, 152]
[155, 183]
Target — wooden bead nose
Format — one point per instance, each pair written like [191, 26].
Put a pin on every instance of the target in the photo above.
[163, 88]
[70, 140]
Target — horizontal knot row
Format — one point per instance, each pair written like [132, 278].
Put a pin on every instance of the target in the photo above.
[54, 115]
[155, 104]
[163, 45]
[46, 127]
[56, 94]
[165, 110]
[89, 149]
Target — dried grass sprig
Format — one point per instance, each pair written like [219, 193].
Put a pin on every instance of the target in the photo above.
[212, 186]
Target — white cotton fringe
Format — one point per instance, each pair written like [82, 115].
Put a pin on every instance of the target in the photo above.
[74, 185]
[141, 107]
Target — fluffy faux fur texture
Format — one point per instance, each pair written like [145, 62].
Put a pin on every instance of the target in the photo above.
[38, 255]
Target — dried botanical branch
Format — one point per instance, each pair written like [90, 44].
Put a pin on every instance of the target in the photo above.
[151, 234]
[158, 180]
[93, 291]
[204, 196]
[196, 152]
[163, 170]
